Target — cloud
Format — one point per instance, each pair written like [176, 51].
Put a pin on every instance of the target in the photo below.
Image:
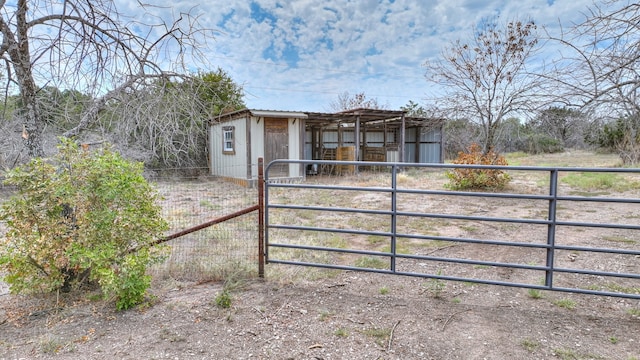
[299, 55]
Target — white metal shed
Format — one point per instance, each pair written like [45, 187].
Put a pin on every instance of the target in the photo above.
[239, 138]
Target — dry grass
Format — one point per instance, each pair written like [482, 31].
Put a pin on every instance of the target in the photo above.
[214, 252]
[436, 230]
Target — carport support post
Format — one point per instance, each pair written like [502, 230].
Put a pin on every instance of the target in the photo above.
[357, 142]
[402, 139]
[261, 218]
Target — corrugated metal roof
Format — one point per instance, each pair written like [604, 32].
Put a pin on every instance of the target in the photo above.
[349, 116]
[276, 113]
[259, 113]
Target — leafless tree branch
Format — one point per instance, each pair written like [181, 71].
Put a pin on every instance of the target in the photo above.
[90, 46]
[488, 78]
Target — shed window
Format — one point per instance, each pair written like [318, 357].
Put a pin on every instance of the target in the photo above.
[228, 140]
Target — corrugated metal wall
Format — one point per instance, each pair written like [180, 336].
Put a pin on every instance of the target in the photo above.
[428, 149]
[230, 165]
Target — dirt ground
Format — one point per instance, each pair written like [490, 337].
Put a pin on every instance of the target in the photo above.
[329, 314]
[343, 317]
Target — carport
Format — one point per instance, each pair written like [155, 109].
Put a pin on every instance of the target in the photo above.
[383, 135]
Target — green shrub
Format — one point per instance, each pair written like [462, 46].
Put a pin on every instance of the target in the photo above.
[542, 144]
[464, 178]
[81, 217]
[223, 299]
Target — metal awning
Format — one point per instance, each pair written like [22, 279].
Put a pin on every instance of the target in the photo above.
[259, 113]
[370, 117]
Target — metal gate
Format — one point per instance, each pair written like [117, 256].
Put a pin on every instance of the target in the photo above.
[546, 237]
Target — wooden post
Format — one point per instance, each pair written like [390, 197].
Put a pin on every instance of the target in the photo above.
[356, 133]
[402, 139]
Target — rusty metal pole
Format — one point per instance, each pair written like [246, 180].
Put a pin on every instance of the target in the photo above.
[261, 217]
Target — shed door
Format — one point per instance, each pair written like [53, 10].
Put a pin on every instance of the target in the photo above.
[276, 143]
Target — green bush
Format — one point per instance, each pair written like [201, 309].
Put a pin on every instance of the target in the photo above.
[224, 299]
[542, 144]
[464, 178]
[81, 217]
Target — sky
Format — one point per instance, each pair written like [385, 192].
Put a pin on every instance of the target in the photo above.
[301, 55]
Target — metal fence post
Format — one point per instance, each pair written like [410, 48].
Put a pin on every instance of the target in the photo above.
[551, 229]
[394, 216]
[261, 217]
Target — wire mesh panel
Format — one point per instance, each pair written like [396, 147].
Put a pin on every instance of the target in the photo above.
[190, 198]
[5, 193]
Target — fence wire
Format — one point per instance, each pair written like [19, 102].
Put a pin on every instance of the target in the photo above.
[189, 197]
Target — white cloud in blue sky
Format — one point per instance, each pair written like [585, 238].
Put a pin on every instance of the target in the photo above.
[300, 55]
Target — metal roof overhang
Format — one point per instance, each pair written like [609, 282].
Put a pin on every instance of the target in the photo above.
[278, 114]
[371, 117]
[259, 113]
[351, 116]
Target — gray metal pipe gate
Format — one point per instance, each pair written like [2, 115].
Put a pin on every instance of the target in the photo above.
[551, 223]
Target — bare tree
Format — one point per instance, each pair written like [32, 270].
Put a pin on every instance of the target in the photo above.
[602, 77]
[563, 124]
[165, 124]
[487, 80]
[358, 101]
[89, 46]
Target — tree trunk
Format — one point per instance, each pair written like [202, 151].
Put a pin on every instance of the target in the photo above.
[32, 132]
[489, 142]
[17, 46]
